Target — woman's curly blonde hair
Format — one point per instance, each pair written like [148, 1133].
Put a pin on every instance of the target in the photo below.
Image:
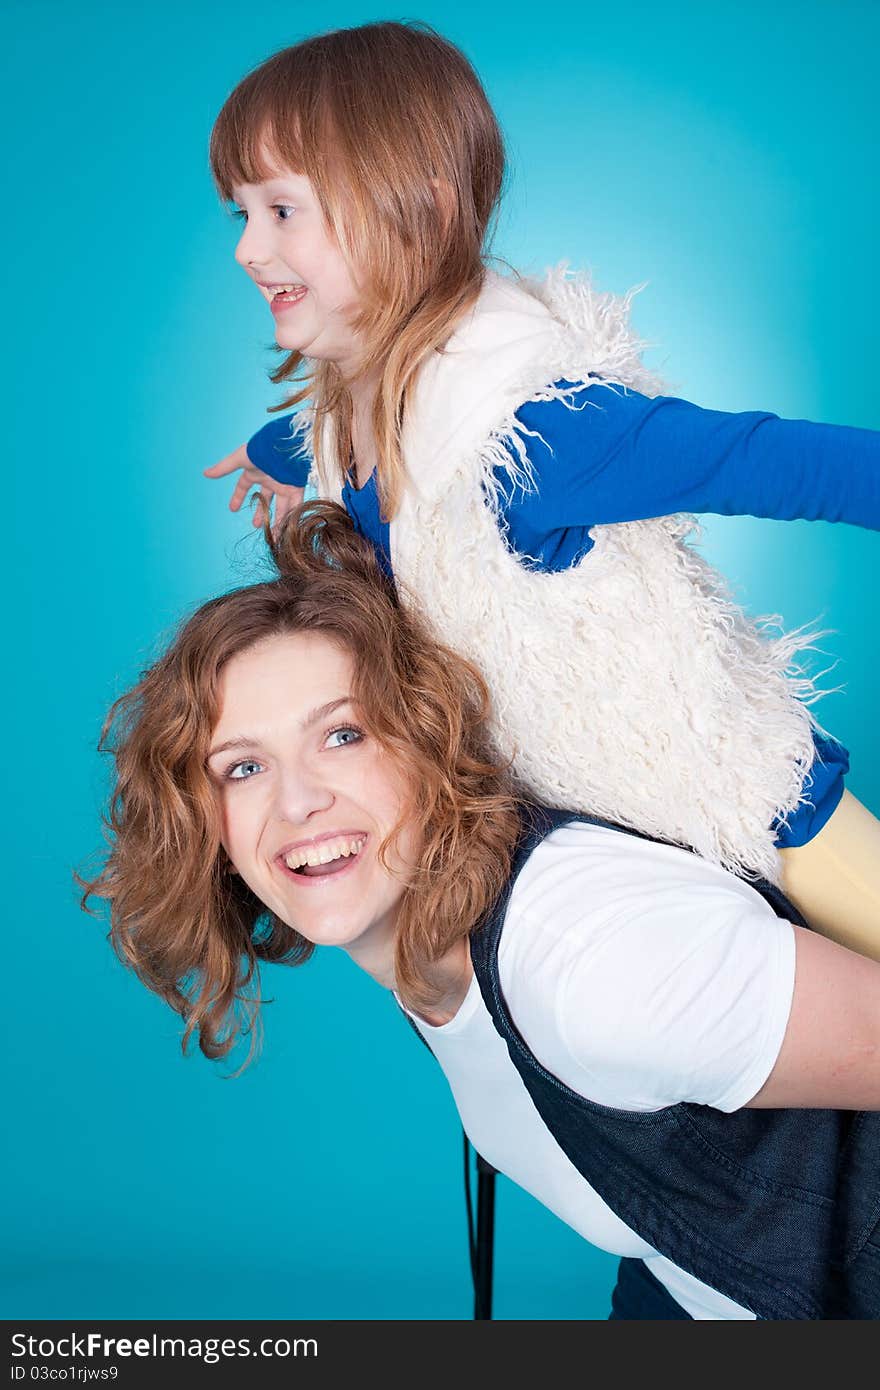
[191, 929]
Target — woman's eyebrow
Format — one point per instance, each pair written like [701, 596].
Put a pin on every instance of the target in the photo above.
[313, 717]
[322, 711]
[239, 742]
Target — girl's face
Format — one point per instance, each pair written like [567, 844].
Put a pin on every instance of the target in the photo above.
[307, 797]
[286, 243]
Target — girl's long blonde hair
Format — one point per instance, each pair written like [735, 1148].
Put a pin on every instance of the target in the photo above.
[392, 127]
[192, 930]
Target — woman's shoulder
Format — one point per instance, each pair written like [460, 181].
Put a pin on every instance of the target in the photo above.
[581, 868]
[618, 952]
[610, 906]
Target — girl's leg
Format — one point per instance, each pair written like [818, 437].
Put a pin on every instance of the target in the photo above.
[834, 879]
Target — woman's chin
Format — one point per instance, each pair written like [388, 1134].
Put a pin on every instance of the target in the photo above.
[325, 931]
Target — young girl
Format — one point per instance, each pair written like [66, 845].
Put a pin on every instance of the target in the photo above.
[508, 454]
[628, 1031]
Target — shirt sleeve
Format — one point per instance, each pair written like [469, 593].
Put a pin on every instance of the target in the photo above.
[278, 451]
[615, 455]
[823, 788]
[645, 977]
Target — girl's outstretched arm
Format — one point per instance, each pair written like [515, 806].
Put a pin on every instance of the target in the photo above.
[620, 456]
[615, 455]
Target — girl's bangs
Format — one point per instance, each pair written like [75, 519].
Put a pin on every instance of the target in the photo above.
[252, 139]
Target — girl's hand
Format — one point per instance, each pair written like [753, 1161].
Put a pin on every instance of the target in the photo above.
[287, 498]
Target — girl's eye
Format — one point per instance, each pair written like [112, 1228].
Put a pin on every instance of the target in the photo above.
[241, 772]
[277, 207]
[343, 736]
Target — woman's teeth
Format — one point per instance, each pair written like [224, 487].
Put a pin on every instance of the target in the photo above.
[288, 293]
[326, 852]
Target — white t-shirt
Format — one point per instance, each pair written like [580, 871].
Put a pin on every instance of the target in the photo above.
[640, 976]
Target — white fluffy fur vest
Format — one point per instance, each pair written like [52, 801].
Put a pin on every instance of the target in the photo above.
[631, 686]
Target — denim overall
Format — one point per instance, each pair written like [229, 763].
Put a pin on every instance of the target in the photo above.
[777, 1209]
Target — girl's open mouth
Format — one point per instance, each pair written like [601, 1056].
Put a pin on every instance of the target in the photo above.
[287, 297]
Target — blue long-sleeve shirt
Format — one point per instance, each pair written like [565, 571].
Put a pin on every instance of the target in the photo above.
[621, 456]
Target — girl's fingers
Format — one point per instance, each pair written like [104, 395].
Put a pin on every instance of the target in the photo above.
[254, 477]
[237, 459]
[286, 502]
[240, 492]
[261, 509]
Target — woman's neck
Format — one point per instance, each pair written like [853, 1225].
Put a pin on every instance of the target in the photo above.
[450, 976]
[453, 975]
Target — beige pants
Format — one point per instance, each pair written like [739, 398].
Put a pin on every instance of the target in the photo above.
[834, 879]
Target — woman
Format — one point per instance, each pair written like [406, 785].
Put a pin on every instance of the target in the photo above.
[629, 1032]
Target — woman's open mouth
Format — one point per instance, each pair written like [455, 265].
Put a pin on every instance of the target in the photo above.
[325, 859]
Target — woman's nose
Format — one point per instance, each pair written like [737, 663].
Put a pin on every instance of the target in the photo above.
[301, 793]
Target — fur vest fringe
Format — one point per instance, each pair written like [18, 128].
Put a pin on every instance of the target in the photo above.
[630, 687]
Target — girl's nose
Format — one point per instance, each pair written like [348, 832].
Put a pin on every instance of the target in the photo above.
[251, 249]
[300, 795]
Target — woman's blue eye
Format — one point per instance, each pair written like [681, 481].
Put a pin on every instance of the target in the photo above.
[240, 772]
[344, 736]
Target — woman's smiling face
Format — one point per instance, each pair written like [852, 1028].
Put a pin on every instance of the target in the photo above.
[307, 797]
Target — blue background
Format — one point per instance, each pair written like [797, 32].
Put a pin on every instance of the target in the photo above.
[725, 154]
